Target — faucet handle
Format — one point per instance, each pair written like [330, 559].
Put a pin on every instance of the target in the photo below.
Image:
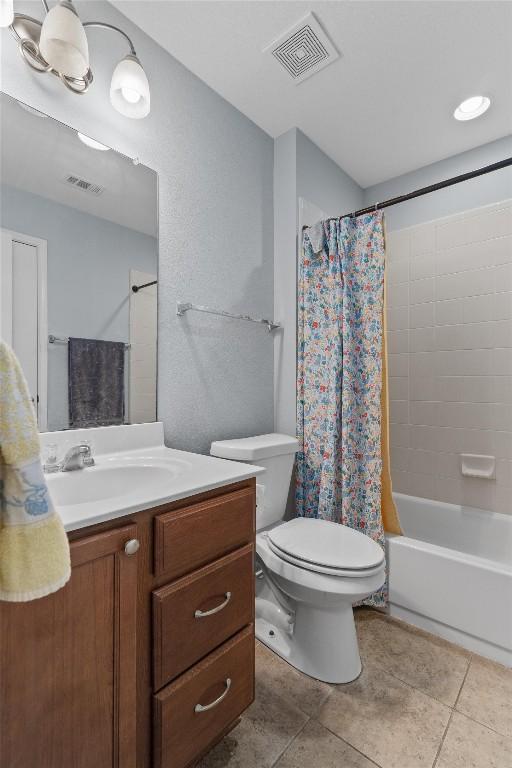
[50, 460]
[87, 459]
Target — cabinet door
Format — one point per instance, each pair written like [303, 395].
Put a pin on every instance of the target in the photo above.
[67, 664]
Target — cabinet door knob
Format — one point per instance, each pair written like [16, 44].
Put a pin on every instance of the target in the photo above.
[131, 546]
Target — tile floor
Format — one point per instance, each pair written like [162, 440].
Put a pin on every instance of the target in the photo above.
[419, 703]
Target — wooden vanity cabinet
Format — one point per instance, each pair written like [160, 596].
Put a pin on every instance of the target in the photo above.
[108, 671]
[215, 526]
[203, 623]
[68, 664]
[195, 614]
[200, 705]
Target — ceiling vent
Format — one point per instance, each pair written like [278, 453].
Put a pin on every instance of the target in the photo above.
[304, 49]
[82, 184]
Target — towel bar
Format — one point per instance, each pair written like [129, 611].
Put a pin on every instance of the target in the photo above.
[183, 307]
[52, 339]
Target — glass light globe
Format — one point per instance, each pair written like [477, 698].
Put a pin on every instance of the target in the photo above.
[63, 42]
[6, 12]
[129, 89]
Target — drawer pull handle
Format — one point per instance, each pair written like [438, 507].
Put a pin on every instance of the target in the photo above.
[202, 614]
[206, 707]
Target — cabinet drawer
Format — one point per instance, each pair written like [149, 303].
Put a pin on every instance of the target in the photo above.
[186, 539]
[194, 710]
[197, 613]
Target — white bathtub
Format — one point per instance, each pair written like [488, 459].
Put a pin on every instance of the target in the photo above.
[451, 574]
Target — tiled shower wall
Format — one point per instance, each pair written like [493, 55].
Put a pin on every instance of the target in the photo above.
[450, 355]
[143, 349]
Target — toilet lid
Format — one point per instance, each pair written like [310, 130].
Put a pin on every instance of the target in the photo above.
[326, 544]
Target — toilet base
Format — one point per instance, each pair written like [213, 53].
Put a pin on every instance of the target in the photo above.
[322, 643]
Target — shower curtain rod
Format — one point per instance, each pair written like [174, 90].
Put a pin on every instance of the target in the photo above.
[432, 188]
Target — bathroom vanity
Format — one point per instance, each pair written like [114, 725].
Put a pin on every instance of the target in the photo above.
[146, 657]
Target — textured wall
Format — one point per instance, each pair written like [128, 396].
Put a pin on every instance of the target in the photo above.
[483, 190]
[216, 226]
[285, 280]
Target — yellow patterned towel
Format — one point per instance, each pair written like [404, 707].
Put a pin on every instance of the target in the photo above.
[34, 549]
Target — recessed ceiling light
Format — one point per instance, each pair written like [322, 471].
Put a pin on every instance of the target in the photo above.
[91, 142]
[472, 107]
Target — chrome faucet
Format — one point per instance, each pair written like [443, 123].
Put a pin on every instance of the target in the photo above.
[77, 457]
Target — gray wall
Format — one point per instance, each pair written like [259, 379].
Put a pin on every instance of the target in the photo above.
[89, 260]
[324, 183]
[301, 169]
[216, 225]
[483, 190]
[285, 279]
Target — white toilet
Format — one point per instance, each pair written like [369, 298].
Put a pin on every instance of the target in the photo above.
[309, 572]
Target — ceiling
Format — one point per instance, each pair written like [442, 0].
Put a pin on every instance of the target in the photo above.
[385, 106]
[38, 153]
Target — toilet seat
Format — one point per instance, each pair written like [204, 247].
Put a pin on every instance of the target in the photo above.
[321, 585]
[325, 547]
[315, 568]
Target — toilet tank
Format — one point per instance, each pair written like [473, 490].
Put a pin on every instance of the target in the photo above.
[274, 452]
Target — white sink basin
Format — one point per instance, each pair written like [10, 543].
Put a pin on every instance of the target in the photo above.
[113, 479]
[133, 471]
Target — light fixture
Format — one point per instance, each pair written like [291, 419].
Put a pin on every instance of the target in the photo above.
[58, 45]
[63, 43]
[472, 107]
[92, 142]
[129, 89]
[6, 13]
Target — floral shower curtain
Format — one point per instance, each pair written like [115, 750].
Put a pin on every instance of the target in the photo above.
[340, 378]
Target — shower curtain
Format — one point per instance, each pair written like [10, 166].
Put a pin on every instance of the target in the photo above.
[343, 460]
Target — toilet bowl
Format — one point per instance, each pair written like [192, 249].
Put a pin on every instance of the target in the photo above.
[309, 572]
[318, 634]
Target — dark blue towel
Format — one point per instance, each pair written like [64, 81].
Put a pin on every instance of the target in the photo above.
[95, 382]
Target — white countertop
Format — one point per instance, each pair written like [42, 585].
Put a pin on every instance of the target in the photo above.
[141, 476]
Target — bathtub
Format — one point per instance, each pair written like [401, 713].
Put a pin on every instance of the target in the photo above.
[451, 574]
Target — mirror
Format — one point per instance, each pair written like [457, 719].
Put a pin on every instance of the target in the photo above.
[79, 228]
